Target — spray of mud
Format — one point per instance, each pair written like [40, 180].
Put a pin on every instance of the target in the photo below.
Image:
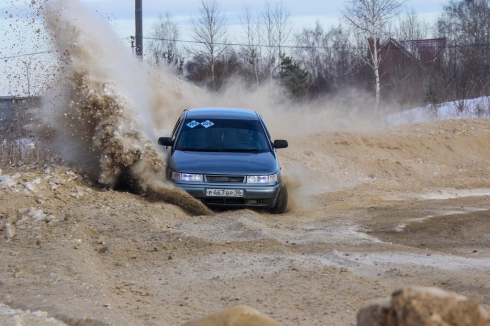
[98, 116]
[108, 108]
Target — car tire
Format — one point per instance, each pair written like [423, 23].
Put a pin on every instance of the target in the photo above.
[282, 201]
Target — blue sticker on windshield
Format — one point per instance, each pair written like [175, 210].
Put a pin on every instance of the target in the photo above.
[193, 124]
[207, 124]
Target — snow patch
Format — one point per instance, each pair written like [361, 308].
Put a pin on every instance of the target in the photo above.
[461, 109]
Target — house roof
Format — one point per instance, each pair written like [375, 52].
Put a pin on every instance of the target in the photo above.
[423, 50]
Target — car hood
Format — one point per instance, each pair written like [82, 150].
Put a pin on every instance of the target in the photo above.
[223, 163]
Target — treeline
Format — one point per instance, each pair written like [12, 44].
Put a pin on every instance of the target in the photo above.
[317, 62]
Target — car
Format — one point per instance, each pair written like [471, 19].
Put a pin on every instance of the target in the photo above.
[225, 157]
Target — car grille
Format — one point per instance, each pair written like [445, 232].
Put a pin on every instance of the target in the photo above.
[224, 178]
[224, 201]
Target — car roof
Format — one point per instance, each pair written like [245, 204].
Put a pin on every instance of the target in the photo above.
[221, 113]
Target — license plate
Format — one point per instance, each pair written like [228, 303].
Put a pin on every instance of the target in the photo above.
[224, 192]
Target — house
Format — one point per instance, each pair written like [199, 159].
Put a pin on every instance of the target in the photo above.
[406, 67]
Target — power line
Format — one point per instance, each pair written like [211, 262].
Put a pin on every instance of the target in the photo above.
[481, 45]
[236, 44]
[25, 54]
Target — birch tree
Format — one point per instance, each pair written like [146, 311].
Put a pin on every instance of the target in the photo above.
[370, 19]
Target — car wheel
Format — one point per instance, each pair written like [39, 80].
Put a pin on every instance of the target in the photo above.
[282, 201]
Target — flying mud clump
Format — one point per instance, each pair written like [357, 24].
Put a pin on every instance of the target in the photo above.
[93, 116]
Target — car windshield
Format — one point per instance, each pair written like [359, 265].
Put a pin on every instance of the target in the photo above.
[222, 135]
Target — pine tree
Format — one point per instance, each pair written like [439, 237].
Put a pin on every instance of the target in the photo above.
[293, 77]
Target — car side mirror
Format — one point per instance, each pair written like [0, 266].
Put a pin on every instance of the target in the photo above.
[280, 143]
[165, 141]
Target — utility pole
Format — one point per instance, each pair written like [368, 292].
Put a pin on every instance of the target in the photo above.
[28, 65]
[139, 28]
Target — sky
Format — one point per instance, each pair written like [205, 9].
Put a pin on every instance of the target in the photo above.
[326, 12]
[16, 42]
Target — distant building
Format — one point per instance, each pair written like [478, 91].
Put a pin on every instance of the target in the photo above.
[406, 67]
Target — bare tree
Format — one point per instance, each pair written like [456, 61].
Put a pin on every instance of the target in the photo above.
[411, 27]
[370, 18]
[282, 26]
[209, 30]
[466, 68]
[267, 22]
[276, 30]
[163, 43]
[251, 49]
[328, 56]
[267, 31]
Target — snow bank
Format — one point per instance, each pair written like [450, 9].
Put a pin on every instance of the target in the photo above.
[461, 109]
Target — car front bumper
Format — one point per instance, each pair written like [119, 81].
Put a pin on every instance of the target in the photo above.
[253, 195]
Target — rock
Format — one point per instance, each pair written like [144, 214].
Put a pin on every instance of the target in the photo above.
[14, 317]
[37, 214]
[236, 316]
[31, 186]
[417, 306]
[9, 231]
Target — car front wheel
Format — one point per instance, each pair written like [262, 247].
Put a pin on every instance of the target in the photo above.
[282, 201]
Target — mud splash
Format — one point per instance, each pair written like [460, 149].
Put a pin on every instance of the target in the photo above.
[99, 117]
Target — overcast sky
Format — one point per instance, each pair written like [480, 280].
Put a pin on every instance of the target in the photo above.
[15, 39]
[303, 13]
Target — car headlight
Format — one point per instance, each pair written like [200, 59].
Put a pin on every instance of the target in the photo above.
[262, 178]
[190, 177]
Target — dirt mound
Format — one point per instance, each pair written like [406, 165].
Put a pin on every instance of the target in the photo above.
[236, 316]
[408, 158]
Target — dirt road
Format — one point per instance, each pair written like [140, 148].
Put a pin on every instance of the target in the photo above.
[373, 211]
